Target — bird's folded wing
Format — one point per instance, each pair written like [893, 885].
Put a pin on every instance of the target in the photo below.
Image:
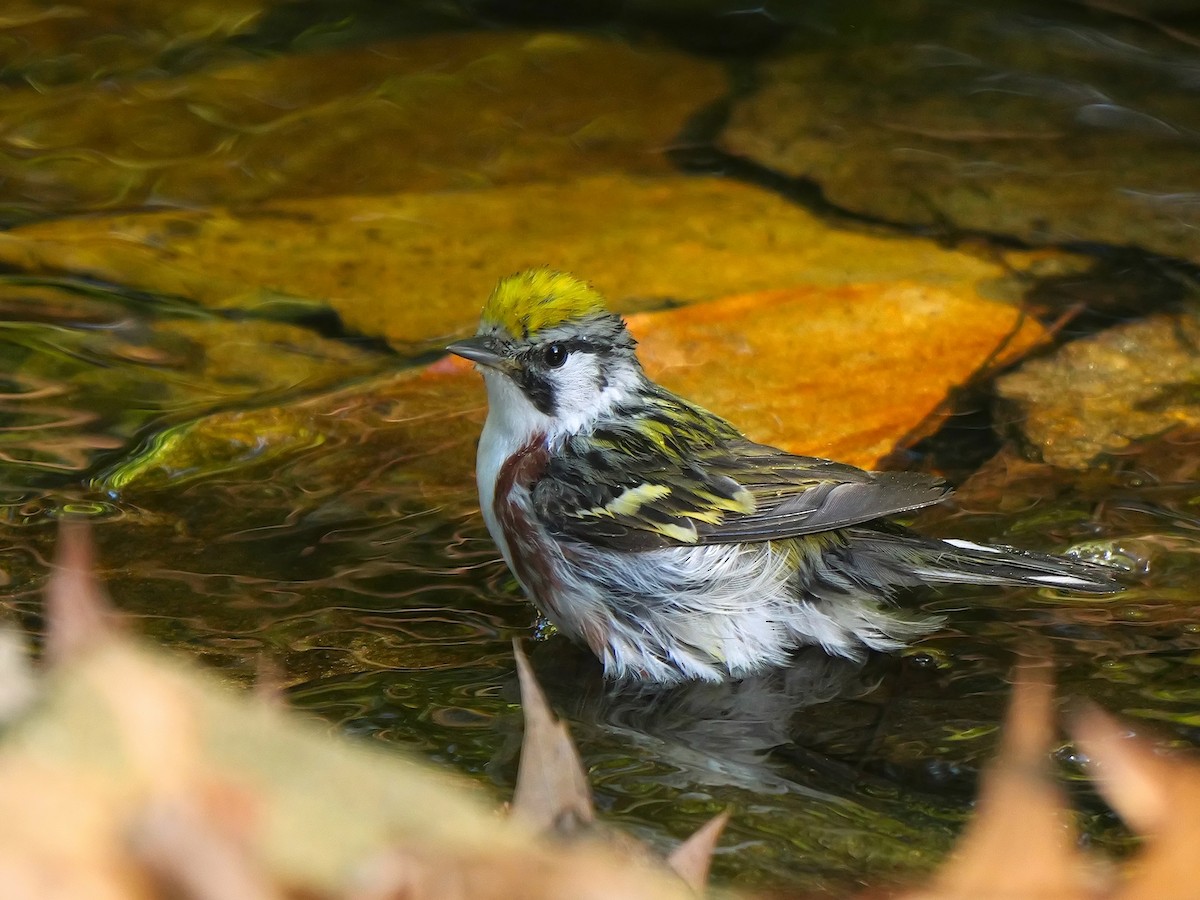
[642, 499]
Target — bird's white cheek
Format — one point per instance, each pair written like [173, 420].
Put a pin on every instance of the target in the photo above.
[580, 400]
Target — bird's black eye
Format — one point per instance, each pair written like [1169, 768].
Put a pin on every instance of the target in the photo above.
[554, 355]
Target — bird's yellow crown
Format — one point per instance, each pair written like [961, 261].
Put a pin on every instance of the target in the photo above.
[536, 299]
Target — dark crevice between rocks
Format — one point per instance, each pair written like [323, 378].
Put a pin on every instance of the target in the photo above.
[315, 25]
[1121, 273]
[1121, 286]
[695, 152]
[964, 440]
[1118, 288]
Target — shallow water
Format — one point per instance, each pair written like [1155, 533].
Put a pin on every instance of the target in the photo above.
[385, 610]
[393, 621]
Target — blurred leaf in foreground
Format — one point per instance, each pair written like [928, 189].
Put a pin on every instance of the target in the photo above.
[135, 776]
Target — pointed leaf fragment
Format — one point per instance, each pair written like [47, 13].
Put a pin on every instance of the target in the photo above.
[78, 611]
[1020, 843]
[552, 793]
[1156, 795]
[691, 859]
[1136, 781]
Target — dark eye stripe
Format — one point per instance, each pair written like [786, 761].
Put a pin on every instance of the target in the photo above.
[582, 345]
[535, 377]
[538, 388]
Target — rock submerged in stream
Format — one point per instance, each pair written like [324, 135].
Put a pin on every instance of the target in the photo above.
[448, 111]
[1044, 124]
[1100, 394]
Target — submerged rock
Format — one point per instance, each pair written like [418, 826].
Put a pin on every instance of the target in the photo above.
[86, 373]
[53, 44]
[1050, 126]
[447, 111]
[414, 268]
[1098, 395]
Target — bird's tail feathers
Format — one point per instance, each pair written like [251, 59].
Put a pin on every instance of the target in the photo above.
[965, 562]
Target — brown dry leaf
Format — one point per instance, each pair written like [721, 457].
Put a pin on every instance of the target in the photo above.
[168, 816]
[78, 611]
[552, 795]
[263, 792]
[156, 722]
[189, 855]
[1157, 796]
[1020, 845]
[60, 833]
[416, 268]
[588, 872]
[136, 776]
[194, 829]
[270, 684]
[691, 859]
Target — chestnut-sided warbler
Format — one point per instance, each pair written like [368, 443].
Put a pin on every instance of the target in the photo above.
[666, 541]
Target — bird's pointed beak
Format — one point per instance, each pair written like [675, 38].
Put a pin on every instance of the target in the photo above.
[482, 350]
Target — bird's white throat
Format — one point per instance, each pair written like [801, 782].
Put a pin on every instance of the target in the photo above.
[512, 422]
